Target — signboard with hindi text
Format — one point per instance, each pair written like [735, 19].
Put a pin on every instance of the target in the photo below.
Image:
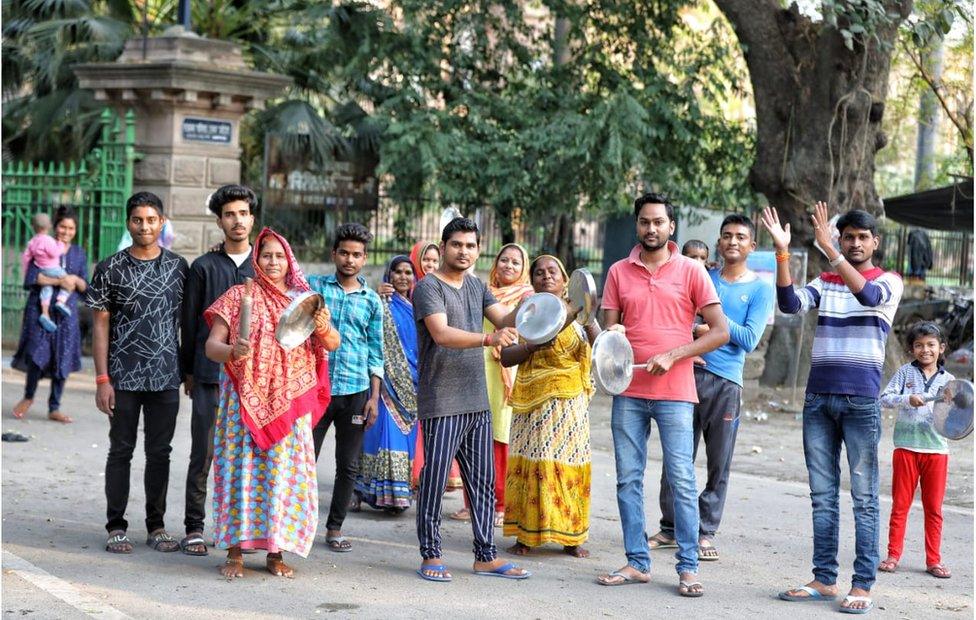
[206, 130]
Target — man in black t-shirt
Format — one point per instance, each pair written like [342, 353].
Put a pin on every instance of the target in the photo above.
[135, 296]
[210, 276]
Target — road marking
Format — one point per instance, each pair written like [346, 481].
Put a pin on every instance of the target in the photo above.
[59, 588]
[383, 542]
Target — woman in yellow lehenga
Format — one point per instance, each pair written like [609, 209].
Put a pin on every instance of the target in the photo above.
[547, 488]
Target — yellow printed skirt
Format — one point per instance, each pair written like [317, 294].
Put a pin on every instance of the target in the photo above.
[547, 488]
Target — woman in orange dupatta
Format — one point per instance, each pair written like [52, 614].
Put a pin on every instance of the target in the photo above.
[265, 490]
[509, 282]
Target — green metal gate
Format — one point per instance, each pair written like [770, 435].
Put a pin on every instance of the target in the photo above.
[97, 187]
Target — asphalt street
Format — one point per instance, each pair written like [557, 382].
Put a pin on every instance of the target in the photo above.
[55, 566]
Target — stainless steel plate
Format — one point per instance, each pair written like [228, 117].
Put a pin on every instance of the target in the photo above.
[613, 362]
[952, 412]
[297, 322]
[540, 317]
[582, 295]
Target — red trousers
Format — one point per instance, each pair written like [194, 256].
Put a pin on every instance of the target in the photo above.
[501, 468]
[908, 469]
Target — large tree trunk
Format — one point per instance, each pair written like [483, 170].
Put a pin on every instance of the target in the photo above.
[819, 107]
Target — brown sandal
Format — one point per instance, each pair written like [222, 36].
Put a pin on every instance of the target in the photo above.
[939, 570]
[661, 541]
[889, 565]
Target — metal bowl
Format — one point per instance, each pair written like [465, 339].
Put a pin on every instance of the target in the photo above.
[612, 363]
[297, 322]
[540, 318]
[952, 412]
[582, 295]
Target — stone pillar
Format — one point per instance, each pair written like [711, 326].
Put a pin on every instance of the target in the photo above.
[189, 94]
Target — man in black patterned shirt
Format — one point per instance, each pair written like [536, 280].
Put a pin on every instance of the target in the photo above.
[135, 296]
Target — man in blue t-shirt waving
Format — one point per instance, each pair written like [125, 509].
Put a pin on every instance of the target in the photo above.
[747, 303]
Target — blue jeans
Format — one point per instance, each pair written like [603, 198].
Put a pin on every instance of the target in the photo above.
[631, 425]
[828, 421]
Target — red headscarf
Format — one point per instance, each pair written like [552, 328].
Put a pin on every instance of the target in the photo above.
[417, 257]
[275, 387]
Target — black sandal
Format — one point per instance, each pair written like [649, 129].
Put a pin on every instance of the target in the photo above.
[193, 540]
[162, 542]
[117, 541]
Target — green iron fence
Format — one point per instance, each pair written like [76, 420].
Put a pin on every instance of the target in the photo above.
[97, 187]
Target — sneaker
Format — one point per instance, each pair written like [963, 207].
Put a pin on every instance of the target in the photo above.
[47, 324]
[63, 309]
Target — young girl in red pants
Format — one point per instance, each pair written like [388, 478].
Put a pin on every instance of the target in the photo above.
[921, 455]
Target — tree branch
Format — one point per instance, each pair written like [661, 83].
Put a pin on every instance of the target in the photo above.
[936, 89]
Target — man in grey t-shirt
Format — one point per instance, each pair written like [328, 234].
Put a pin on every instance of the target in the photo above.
[452, 398]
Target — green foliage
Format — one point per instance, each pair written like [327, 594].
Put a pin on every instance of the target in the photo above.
[469, 105]
[45, 116]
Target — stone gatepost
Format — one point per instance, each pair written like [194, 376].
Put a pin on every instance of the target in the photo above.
[189, 94]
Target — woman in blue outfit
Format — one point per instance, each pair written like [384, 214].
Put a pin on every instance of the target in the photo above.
[388, 446]
[53, 355]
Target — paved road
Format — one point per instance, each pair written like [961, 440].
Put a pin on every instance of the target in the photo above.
[54, 565]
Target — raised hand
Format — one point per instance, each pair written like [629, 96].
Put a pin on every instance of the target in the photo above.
[821, 226]
[780, 234]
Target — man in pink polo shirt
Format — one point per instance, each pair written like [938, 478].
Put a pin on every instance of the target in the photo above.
[653, 296]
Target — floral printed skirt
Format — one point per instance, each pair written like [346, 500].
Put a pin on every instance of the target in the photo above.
[547, 488]
[262, 499]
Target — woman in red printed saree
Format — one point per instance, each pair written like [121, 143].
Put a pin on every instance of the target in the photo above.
[265, 490]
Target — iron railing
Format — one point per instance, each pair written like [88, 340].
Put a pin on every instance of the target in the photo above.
[97, 187]
[308, 220]
[952, 254]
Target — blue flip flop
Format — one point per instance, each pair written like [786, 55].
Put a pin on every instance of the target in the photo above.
[440, 568]
[502, 571]
[856, 599]
[63, 309]
[814, 595]
[47, 324]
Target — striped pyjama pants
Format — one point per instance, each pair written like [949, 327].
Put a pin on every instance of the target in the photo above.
[466, 437]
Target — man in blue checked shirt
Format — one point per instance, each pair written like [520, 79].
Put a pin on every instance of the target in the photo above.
[355, 368]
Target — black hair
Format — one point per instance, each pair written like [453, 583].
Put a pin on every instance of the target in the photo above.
[231, 193]
[858, 219]
[654, 198]
[923, 329]
[742, 220]
[65, 212]
[460, 225]
[693, 244]
[143, 199]
[352, 232]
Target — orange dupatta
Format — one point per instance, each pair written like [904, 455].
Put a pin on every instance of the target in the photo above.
[417, 255]
[509, 296]
[275, 387]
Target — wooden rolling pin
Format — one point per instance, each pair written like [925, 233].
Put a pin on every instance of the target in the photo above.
[244, 328]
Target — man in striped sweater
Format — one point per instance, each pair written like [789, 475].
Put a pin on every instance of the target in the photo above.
[857, 304]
